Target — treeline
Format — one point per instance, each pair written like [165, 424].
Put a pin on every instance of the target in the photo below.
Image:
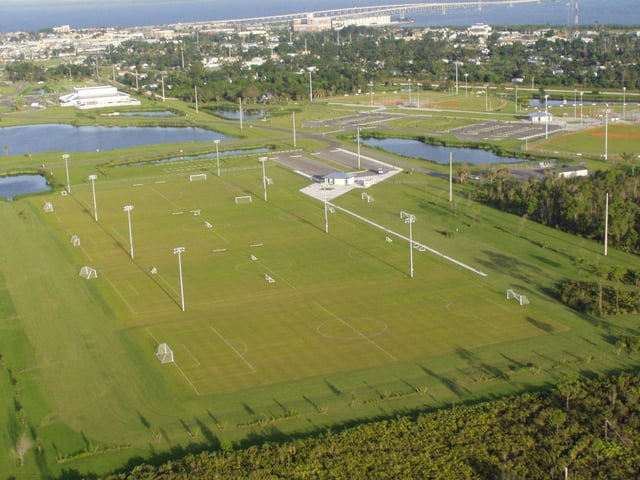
[616, 292]
[575, 205]
[591, 429]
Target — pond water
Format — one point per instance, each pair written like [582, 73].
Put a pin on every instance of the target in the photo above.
[13, 186]
[438, 154]
[235, 114]
[67, 138]
[183, 158]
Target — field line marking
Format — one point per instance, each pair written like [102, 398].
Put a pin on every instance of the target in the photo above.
[165, 197]
[176, 364]
[436, 252]
[357, 332]
[151, 334]
[102, 274]
[191, 354]
[187, 379]
[233, 348]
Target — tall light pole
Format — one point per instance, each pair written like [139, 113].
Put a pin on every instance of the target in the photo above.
[418, 85]
[310, 87]
[450, 177]
[606, 133]
[93, 188]
[466, 84]
[575, 102]
[179, 251]
[326, 213]
[410, 219]
[546, 117]
[263, 160]
[516, 102]
[293, 121]
[371, 94]
[128, 208]
[358, 148]
[163, 97]
[65, 157]
[624, 101]
[606, 224]
[581, 93]
[217, 142]
[456, 64]
[240, 111]
[486, 97]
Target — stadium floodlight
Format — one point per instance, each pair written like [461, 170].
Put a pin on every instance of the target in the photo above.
[358, 148]
[466, 84]
[606, 224]
[546, 117]
[486, 97]
[624, 101]
[217, 142]
[326, 216]
[65, 157]
[93, 188]
[606, 133]
[456, 64]
[293, 121]
[410, 219]
[128, 208]
[179, 251]
[581, 93]
[263, 160]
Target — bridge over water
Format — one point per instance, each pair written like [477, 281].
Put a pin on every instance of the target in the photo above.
[396, 10]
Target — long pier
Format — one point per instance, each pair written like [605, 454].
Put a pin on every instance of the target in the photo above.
[401, 10]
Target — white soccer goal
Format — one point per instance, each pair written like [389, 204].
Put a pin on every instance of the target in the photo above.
[197, 176]
[244, 199]
[268, 278]
[164, 353]
[75, 240]
[522, 300]
[48, 207]
[367, 197]
[88, 272]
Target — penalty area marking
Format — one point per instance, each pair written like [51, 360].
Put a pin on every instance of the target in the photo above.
[240, 356]
[357, 332]
[177, 366]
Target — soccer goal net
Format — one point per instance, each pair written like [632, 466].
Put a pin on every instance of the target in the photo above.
[164, 353]
[522, 300]
[197, 176]
[88, 272]
[244, 199]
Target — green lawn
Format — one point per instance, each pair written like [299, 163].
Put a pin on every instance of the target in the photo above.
[343, 334]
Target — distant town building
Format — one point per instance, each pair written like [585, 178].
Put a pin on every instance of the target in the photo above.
[97, 97]
[311, 24]
[62, 29]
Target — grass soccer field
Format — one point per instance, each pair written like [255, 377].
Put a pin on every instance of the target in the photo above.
[286, 328]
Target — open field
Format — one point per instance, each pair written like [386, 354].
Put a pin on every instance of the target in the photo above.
[341, 335]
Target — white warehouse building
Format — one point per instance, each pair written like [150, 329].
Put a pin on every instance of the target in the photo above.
[97, 97]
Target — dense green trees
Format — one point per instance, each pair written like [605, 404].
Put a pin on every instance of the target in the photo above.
[590, 429]
[576, 205]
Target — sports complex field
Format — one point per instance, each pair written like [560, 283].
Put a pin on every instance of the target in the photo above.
[287, 329]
